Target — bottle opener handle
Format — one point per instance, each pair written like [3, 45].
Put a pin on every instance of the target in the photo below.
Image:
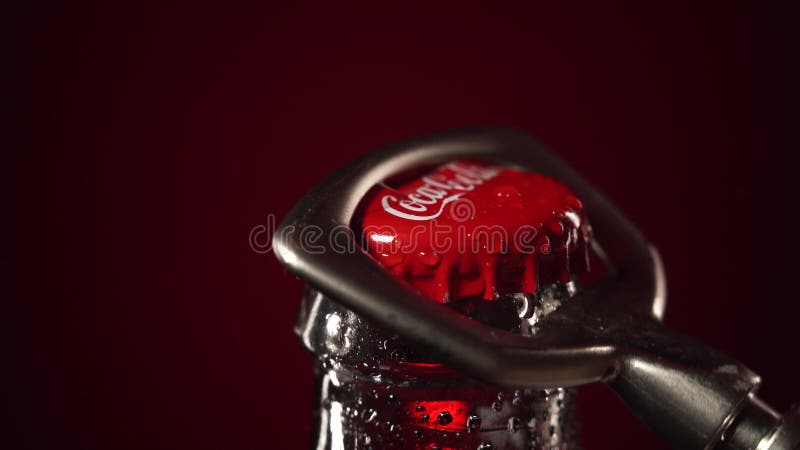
[692, 396]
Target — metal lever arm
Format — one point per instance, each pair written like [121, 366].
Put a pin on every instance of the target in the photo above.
[691, 395]
[688, 405]
[694, 397]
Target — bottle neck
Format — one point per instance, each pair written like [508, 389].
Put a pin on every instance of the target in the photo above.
[374, 392]
[362, 413]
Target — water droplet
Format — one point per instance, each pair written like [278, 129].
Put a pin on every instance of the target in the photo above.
[514, 424]
[556, 227]
[429, 259]
[497, 406]
[424, 418]
[444, 418]
[517, 400]
[473, 423]
[420, 408]
[399, 355]
[485, 445]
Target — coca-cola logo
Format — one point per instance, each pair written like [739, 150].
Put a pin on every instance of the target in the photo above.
[429, 200]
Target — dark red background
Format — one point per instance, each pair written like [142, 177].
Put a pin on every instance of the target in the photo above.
[153, 138]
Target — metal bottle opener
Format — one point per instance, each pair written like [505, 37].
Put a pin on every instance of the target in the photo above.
[691, 395]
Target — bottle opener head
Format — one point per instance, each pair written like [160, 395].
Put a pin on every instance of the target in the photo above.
[565, 351]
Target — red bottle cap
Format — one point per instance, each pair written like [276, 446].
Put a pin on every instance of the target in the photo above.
[466, 229]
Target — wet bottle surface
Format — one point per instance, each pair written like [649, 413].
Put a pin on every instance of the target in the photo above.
[375, 392]
[372, 392]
